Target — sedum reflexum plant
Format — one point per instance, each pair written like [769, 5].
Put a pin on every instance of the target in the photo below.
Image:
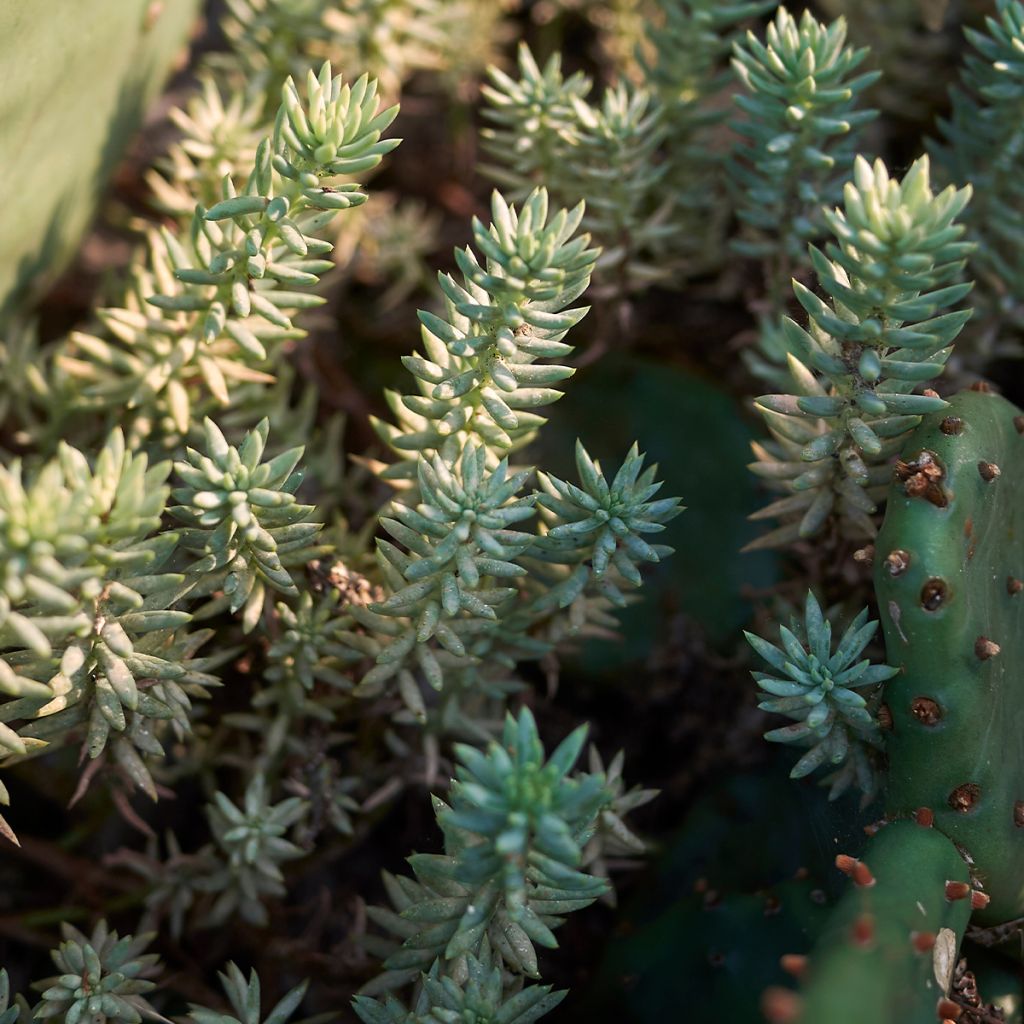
[10, 1011]
[103, 977]
[818, 688]
[467, 591]
[93, 632]
[596, 527]
[479, 998]
[886, 329]
[219, 301]
[515, 832]
[799, 137]
[683, 58]
[380, 630]
[251, 837]
[242, 516]
[799, 131]
[244, 996]
[481, 374]
[607, 153]
[345, 669]
[980, 142]
[642, 156]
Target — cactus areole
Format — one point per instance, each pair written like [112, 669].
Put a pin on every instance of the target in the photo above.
[950, 561]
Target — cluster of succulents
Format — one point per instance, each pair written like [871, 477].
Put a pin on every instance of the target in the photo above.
[202, 595]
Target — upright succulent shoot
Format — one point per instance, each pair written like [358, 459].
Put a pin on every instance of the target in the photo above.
[242, 515]
[889, 277]
[798, 137]
[102, 978]
[486, 366]
[512, 868]
[819, 689]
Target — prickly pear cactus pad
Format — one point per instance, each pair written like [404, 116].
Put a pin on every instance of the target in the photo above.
[949, 567]
[888, 952]
[77, 76]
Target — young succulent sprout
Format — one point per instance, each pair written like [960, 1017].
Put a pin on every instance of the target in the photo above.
[242, 516]
[515, 832]
[820, 689]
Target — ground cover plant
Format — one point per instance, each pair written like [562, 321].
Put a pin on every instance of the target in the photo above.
[356, 673]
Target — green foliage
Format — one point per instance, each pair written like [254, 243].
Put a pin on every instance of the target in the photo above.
[23, 385]
[535, 120]
[391, 40]
[265, 233]
[68, 526]
[365, 672]
[102, 977]
[682, 62]
[398, 634]
[271, 39]
[10, 1011]
[799, 135]
[459, 533]
[244, 997]
[309, 649]
[641, 154]
[817, 688]
[481, 375]
[619, 176]
[213, 307]
[945, 575]
[981, 141]
[466, 588]
[448, 612]
[97, 98]
[689, 41]
[387, 244]
[479, 999]
[242, 516]
[889, 277]
[105, 978]
[252, 838]
[526, 817]
[93, 635]
[218, 138]
[547, 133]
[514, 839]
[596, 528]
[910, 43]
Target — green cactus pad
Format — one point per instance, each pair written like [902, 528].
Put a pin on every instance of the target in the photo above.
[948, 561]
[78, 76]
[890, 947]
